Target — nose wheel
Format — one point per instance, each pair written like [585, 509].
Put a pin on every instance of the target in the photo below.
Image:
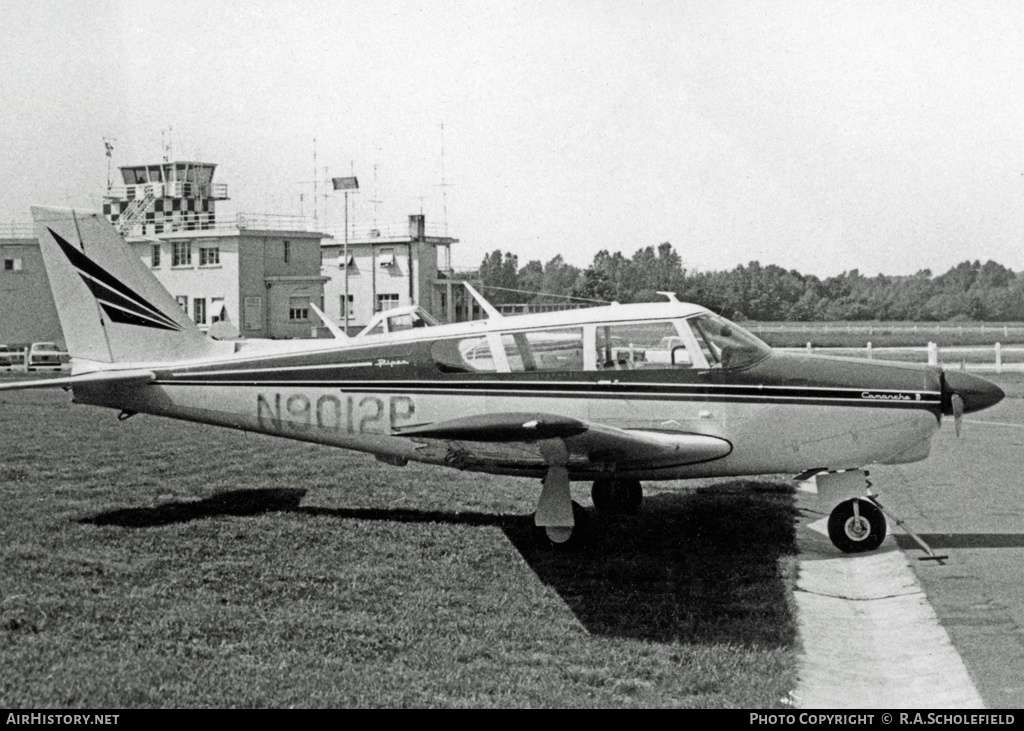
[856, 526]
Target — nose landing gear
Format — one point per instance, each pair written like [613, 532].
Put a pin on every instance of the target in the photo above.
[856, 526]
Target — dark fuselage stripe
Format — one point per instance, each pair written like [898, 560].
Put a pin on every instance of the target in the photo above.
[591, 390]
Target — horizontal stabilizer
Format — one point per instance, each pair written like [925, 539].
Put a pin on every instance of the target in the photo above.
[513, 427]
[84, 379]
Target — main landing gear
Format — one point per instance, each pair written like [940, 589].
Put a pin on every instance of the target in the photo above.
[617, 495]
[562, 523]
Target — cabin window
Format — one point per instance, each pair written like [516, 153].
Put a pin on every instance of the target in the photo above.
[641, 345]
[544, 350]
[469, 355]
[725, 344]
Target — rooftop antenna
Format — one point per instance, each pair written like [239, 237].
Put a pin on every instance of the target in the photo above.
[316, 189]
[444, 185]
[108, 142]
[375, 200]
[166, 143]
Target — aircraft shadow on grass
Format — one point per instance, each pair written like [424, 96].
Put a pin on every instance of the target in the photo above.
[696, 567]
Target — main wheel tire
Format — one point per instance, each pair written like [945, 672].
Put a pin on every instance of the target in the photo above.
[565, 538]
[856, 532]
[617, 495]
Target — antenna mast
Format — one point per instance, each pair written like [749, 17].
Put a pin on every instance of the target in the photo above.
[444, 185]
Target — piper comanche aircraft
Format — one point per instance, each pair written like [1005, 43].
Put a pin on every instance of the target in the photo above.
[612, 395]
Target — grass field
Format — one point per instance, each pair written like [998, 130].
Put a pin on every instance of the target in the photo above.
[151, 563]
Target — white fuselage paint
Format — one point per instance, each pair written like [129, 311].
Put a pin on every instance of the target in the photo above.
[768, 437]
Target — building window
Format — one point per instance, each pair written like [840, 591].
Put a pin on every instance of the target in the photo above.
[12, 265]
[209, 256]
[387, 301]
[199, 310]
[182, 301]
[287, 251]
[298, 308]
[346, 310]
[154, 255]
[386, 258]
[181, 254]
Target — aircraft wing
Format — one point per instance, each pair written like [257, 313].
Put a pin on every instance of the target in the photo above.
[83, 379]
[596, 442]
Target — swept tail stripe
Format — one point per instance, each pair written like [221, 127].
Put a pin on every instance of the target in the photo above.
[134, 309]
[119, 308]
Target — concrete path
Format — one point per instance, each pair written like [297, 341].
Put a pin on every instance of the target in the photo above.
[869, 637]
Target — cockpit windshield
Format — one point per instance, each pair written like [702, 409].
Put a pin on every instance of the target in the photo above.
[726, 344]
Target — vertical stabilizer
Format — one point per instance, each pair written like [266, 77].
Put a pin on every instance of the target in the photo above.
[111, 307]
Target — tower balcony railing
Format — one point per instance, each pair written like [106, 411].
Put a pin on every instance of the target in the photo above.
[173, 189]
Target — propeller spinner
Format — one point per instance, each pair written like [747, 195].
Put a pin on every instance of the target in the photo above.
[963, 393]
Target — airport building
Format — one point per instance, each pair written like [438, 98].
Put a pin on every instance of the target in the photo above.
[256, 275]
[246, 275]
[27, 312]
[381, 268]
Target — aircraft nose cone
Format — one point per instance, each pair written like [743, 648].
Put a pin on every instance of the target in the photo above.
[976, 392]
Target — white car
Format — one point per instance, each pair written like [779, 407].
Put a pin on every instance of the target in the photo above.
[46, 355]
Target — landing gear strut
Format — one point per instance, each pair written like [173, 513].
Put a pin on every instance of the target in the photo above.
[617, 495]
[566, 538]
[856, 526]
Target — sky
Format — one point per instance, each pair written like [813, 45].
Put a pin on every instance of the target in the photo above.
[819, 136]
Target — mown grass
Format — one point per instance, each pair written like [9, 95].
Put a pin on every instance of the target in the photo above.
[152, 563]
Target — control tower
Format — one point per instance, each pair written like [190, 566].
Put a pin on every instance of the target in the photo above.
[164, 198]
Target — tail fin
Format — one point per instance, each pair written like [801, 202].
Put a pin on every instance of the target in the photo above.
[111, 307]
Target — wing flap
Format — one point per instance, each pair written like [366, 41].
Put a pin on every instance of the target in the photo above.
[139, 377]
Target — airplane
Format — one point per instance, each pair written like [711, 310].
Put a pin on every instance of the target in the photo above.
[612, 395]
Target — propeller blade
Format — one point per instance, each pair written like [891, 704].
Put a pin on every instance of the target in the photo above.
[958, 412]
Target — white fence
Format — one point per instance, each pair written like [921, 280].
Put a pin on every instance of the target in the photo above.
[883, 329]
[989, 358]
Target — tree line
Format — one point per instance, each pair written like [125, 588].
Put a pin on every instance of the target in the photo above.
[968, 291]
